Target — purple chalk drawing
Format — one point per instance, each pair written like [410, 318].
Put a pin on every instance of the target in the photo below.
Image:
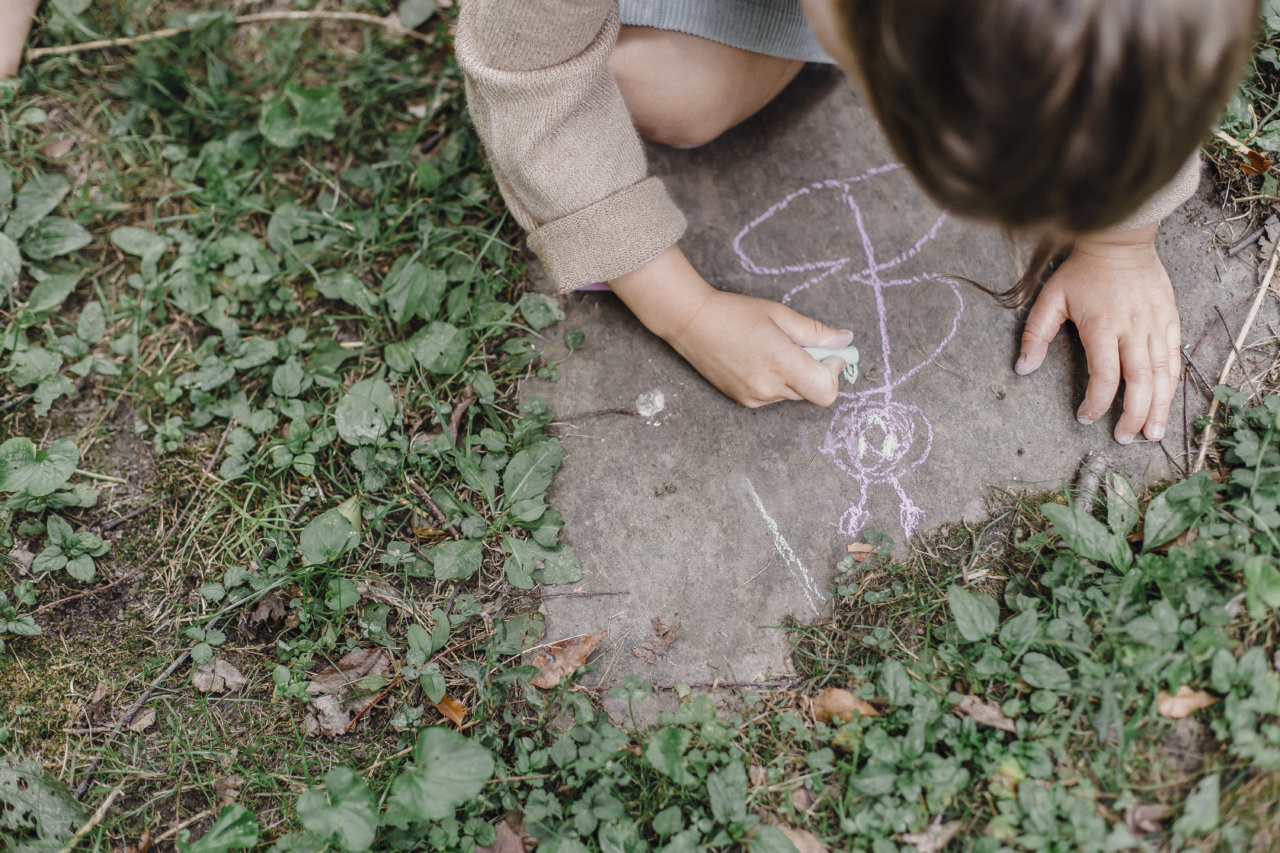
[873, 438]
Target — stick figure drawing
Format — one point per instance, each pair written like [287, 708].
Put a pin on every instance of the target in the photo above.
[874, 438]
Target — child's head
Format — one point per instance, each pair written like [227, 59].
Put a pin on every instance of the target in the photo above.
[1061, 116]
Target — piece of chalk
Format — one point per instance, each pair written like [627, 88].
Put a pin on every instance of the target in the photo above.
[848, 354]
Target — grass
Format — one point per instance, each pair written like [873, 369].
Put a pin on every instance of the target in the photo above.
[276, 307]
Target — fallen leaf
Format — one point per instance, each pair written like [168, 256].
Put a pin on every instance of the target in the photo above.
[227, 789]
[562, 658]
[419, 111]
[1255, 163]
[143, 845]
[59, 147]
[339, 694]
[1145, 818]
[836, 703]
[94, 711]
[656, 646]
[218, 676]
[451, 709]
[804, 841]
[802, 798]
[22, 557]
[934, 837]
[143, 720]
[510, 837]
[861, 550]
[984, 711]
[273, 606]
[1183, 703]
[757, 775]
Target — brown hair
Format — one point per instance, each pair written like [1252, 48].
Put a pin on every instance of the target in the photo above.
[1058, 117]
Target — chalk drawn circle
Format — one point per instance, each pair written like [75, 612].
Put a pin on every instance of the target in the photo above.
[878, 441]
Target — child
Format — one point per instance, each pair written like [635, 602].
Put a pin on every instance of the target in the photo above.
[1071, 121]
[15, 23]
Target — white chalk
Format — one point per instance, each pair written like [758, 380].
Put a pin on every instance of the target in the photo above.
[848, 354]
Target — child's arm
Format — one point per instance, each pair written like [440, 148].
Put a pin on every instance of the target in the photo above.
[1117, 292]
[15, 24]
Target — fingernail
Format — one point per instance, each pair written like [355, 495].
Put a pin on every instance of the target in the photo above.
[1155, 433]
[839, 340]
[1084, 419]
[835, 364]
[1022, 368]
[1124, 437]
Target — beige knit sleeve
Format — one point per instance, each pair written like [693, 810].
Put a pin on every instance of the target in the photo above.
[559, 137]
[1168, 198]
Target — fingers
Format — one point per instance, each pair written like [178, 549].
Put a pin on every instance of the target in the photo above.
[1102, 352]
[808, 332]
[817, 382]
[1166, 367]
[1139, 387]
[1046, 317]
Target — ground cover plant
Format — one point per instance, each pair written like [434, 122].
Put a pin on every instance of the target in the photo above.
[275, 525]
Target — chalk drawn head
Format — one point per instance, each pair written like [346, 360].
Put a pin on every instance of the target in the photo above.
[872, 438]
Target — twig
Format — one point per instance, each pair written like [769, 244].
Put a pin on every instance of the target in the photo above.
[1245, 243]
[706, 685]
[93, 821]
[535, 594]
[1236, 350]
[392, 686]
[174, 830]
[453, 596]
[113, 524]
[1207, 436]
[1234, 143]
[18, 402]
[169, 32]
[103, 477]
[1196, 369]
[270, 553]
[585, 415]
[455, 419]
[440, 519]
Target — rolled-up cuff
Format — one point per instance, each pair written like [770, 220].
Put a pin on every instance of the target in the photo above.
[615, 236]
[1168, 198]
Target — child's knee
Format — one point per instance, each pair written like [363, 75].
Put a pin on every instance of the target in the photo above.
[681, 129]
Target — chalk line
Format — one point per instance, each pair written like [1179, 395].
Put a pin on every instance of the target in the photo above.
[789, 556]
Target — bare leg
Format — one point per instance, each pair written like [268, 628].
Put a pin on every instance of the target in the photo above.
[684, 90]
[15, 24]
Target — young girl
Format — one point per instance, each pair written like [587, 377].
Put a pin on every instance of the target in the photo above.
[1069, 121]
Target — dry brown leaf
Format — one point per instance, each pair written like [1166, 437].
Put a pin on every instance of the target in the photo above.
[933, 838]
[836, 703]
[22, 557]
[805, 842]
[142, 720]
[984, 711]
[1186, 701]
[802, 798]
[272, 606]
[339, 694]
[756, 775]
[227, 789]
[451, 709]
[861, 550]
[143, 845]
[656, 646]
[59, 147]
[510, 837]
[562, 658]
[218, 676]
[1145, 818]
[94, 711]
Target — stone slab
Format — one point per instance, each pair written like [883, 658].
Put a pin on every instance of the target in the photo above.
[728, 520]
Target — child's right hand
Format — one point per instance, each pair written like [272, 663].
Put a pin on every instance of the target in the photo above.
[748, 348]
[15, 23]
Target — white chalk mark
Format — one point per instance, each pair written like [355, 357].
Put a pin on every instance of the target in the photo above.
[811, 591]
[650, 404]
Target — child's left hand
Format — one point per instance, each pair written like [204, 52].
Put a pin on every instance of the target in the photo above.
[1117, 292]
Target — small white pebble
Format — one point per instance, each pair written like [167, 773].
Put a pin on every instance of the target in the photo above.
[650, 404]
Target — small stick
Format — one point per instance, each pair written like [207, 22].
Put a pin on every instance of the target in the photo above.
[112, 525]
[455, 419]
[174, 830]
[1236, 350]
[558, 594]
[440, 519]
[103, 477]
[1207, 436]
[1246, 242]
[93, 821]
[1093, 468]
[1195, 368]
[586, 415]
[169, 32]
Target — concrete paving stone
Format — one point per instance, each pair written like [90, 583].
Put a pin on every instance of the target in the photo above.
[728, 520]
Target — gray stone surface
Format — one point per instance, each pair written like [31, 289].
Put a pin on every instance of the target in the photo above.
[728, 520]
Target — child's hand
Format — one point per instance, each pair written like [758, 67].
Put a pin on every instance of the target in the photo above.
[1116, 291]
[748, 348]
[15, 23]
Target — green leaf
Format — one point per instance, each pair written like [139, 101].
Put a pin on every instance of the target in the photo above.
[1200, 812]
[81, 568]
[976, 614]
[1176, 508]
[53, 238]
[31, 798]
[1045, 673]
[38, 473]
[346, 287]
[51, 293]
[560, 565]
[433, 685]
[530, 471]
[518, 566]
[1020, 632]
[449, 770]
[345, 811]
[666, 753]
[279, 125]
[456, 560]
[1081, 532]
[415, 13]
[440, 348]
[92, 324]
[770, 839]
[36, 200]
[327, 537]
[399, 357]
[51, 559]
[235, 829]
[1122, 505]
[10, 263]
[1262, 587]
[365, 412]
[289, 379]
[285, 122]
[34, 366]
[727, 790]
[410, 290]
[539, 311]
